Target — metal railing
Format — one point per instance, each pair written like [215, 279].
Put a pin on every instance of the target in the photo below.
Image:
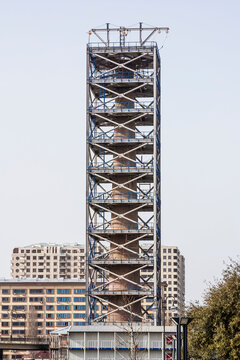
[122, 75]
[128, 137]
[120, 168]
[118, 289]
[122, 106]
[26, 339]
[119, 197]
[127, 46]
[123, 259]
[121, 226]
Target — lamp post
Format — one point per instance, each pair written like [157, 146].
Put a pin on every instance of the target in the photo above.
[182, 322]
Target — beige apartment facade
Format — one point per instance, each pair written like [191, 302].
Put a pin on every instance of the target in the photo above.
[173, 277]
[32, 308]
[48, 261]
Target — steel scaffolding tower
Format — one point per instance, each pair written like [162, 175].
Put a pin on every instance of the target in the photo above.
[123, 177]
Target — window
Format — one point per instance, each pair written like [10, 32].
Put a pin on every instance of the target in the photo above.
[49, 307]
[18, 323]
[49, 316]
[50, 291]
[49, 299]
[175, 250]
[5, 323]
[19, 299]
[63, 307]
[164, 264]
[63, 299]
[79, 323]
[164, 250]
[5, 299]
[79, 307]
[20, 332]
[63, 316]
[18, 307]
[62, 323]
[49, 323]
[79, 291]
[79, 316]
[36, 291]
[164, 257]
[5, 307]
[4, 316]
[18, 315]
[4, 332]
[79, 299]
[5, 291]
[63, 291]
[38, 307]
[35, 299]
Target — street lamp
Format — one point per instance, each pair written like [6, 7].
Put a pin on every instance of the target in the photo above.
[182, 322]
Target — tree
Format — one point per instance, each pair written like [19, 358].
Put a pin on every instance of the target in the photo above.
[31, 323]
[133, 334]
[215, 330]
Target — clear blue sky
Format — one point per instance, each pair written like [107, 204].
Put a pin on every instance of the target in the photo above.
[42, 124]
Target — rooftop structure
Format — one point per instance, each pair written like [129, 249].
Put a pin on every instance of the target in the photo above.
[114, 342]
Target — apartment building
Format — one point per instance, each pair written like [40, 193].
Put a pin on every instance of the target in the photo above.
[49, 261]
[173, 280]
[173, 276]
[36, 307]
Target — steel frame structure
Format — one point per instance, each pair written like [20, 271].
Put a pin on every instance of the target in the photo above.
[123, 179]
